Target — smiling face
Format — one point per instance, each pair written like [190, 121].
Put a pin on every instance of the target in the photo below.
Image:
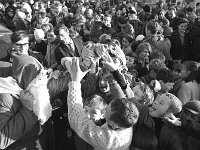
[160, 106]
[182, 27]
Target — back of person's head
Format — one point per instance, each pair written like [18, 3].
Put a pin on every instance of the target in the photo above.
[25, 69]
[166, 75]
[19, 35]
[147, 8]
[125, 113]
[157, 55]
[144, 139]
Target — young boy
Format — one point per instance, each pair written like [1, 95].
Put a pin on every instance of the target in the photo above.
[96, 108]
[167, 79]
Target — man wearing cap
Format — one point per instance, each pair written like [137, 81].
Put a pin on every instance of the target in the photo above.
[184, 134]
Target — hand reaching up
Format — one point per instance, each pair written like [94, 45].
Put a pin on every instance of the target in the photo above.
[75, 71]
[108, 62]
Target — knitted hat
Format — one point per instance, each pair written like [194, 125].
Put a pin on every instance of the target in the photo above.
[193, 106]
[39, 34]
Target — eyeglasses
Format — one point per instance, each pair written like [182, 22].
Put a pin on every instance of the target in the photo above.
[21, 45]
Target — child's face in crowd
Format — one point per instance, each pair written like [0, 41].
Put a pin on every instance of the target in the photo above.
[51, 36]
[138, 92]
[125, 42]
[95, 114]
[129, 61]
[107, 21]
[160, 106]
[167, 86]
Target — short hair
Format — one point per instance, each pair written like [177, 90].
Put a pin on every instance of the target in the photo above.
[142, 46]
[166, 75]
[148, 94]
[59, 27]
[125, 113]
[156, 65]
[175, 105]
[156, 55]
[144, 138]
[193, 67]
[96, 102]
[19, 35]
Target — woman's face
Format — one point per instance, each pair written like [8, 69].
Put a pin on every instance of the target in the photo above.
[11, 14]
[51, 36]
[144, 54]
[119, 13]
[125, 42]
[124, 10]
[182, 27]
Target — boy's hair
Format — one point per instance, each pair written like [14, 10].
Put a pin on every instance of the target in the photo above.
[145, 138]
[96, 102]
[19, 35]
[175, 105]
[156, 55]
[166, 75]
[125, 113]
[156, 65]
[148, 94]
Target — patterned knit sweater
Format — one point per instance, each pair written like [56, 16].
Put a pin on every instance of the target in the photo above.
[101, 138]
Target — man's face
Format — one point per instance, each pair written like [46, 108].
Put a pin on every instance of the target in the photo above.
[22, 46]
[64, 36]
[160, 106]
[191, 122]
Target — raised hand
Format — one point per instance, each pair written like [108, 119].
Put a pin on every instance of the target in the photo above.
[75, 71]
[108, 62]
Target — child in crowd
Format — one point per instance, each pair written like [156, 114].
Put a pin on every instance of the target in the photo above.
[96, 108]
[167, 79]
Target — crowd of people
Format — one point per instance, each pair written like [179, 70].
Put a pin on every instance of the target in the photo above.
[99, 74]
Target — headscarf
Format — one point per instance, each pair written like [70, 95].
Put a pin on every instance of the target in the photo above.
[25, 69]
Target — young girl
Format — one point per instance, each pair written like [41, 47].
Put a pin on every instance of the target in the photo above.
[126, 44]
[52, 44]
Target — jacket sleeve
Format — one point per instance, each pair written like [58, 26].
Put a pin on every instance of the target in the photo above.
[14, 122]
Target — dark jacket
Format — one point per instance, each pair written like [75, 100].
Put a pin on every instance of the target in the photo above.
[174, 138]
[178, 50]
